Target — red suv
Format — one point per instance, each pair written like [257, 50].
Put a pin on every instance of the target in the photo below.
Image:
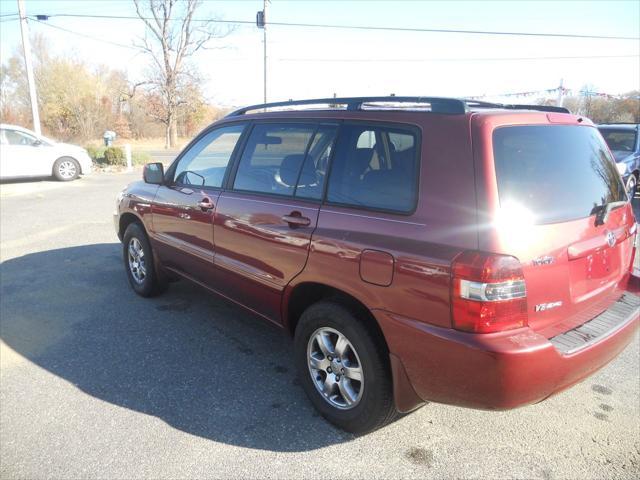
[417, 249]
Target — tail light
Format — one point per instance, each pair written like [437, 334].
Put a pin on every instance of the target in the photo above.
[488, 293]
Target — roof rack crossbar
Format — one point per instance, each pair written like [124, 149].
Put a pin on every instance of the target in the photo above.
[438, 104]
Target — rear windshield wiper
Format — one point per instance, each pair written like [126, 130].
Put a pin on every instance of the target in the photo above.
[602, 211]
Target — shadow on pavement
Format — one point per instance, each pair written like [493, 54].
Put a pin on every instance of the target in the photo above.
[198, 363]
[43, 179]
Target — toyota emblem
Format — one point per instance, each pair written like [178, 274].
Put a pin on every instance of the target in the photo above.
[611, 239]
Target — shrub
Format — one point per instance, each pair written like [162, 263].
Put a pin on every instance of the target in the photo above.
[96, 153]
[114, 156]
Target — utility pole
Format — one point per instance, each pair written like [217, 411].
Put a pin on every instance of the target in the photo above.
[261, 22]
[264, 41]
[560, 93]
[26, 47]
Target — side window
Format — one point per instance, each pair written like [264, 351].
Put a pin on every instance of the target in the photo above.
[14, 137]
[314, 171]
[273, 157]
[205, 163]
[375, 167]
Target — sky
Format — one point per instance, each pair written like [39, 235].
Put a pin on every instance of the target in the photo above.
[305, 62]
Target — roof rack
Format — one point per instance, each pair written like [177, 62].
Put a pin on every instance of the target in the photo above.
[437, 104]
[454, 106]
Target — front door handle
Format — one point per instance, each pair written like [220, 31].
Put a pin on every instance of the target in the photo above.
[205, 204]
[295, 219]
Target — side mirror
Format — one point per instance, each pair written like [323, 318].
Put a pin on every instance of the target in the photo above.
[153, 173]
[36, 143]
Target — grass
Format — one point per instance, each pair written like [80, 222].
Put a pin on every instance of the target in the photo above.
[140, 157]
[150, 144]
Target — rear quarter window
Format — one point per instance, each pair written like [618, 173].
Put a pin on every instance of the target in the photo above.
[557, 172]
[375, 167]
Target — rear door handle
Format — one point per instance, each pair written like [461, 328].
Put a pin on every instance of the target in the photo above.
[205, 204]
[295, 219]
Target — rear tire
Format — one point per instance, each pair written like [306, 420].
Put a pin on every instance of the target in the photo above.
[632, 185]
[66, 169]
[139, 263]
[354, 406]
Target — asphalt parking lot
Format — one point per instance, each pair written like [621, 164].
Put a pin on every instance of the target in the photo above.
[97, 382]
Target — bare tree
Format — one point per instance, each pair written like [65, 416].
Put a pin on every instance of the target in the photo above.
[172, 36]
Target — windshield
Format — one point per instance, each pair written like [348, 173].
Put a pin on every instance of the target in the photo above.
[555, 173]
[619, 140]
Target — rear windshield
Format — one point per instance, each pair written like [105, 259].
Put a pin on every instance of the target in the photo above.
[556, 172]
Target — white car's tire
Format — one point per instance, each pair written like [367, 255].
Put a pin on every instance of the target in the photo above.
[66, 169]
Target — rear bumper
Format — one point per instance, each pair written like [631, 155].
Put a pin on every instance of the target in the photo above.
[492, 371]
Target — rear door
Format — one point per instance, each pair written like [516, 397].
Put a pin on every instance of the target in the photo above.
[184, 208]
[265, 220]
[561, 209]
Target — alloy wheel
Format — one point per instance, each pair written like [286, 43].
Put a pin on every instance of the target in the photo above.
[335, 368]
[137, 265]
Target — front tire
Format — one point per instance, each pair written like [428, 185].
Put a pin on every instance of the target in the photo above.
[139, 264]
[343, 368]
[66, 169]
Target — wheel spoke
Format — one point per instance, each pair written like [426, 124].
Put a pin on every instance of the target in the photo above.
[324, 343]
[319, 364]
[328, 385]
[347, 392]
[341, 346]
[354, 373]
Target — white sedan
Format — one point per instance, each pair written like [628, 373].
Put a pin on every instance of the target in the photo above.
[24, 153]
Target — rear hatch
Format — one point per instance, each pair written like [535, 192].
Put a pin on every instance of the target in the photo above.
[562, 210]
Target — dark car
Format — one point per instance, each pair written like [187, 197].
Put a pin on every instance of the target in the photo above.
[624, 142]
[416, 249]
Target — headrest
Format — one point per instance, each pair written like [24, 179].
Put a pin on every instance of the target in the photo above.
[361, 160]
[290, 168]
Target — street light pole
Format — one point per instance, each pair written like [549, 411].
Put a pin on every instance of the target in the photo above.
[26, 47]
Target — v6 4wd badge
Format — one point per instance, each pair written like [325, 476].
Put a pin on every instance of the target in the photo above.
[541, 307]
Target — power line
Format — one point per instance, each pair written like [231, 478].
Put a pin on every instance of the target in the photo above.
[135, 17]
[369, 27]
[442, 30]
[470, 59]
[389, 60]
[86, 36]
